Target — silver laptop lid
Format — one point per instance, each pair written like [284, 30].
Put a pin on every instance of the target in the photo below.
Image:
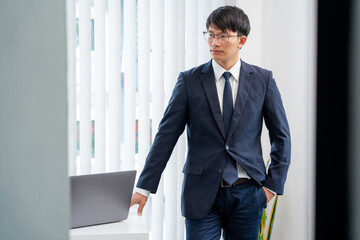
[101, 198]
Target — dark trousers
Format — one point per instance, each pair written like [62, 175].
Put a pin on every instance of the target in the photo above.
[237, 210]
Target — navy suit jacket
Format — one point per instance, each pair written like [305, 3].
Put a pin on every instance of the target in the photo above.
[194, 104]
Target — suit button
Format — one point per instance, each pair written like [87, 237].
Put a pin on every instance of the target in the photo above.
[220, 170]
[227, 147]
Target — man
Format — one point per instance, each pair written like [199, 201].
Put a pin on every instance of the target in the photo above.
[223, 104]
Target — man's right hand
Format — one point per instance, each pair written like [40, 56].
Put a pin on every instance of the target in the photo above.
[140, 199]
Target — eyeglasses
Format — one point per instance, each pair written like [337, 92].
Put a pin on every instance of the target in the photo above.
[222, 38]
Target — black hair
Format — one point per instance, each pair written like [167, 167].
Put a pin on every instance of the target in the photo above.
[229, 18]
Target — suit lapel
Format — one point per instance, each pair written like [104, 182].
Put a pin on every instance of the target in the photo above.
[245, 82]
[208, 81]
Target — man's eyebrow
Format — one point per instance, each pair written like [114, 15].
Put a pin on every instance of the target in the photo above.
[217, 33]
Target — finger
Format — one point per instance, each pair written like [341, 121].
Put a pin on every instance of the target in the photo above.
[140, 209]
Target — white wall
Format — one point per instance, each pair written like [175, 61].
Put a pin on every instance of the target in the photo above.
[282, 40]
[34, 198]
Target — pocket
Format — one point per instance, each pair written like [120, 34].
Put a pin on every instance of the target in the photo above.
[193, 169]
[264, 196]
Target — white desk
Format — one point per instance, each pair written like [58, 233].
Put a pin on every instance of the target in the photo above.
[134, 228]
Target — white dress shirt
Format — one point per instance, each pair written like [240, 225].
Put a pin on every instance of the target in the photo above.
[220, 84]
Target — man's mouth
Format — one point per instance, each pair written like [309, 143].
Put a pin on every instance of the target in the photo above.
[216, 51]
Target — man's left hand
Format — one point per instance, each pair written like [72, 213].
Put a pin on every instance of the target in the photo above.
[269, 195]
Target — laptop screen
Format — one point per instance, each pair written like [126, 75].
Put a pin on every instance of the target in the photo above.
[101, 198]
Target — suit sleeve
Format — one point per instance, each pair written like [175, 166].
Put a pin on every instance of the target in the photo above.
[170, 128]
[279, 134]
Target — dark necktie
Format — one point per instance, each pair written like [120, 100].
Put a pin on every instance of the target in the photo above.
[230, 174]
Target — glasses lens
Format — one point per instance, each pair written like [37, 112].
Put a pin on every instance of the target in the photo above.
[206, 36]
[223, 38]
[220, 38]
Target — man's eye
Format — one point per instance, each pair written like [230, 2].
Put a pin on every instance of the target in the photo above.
[223, 36]
[211, 35]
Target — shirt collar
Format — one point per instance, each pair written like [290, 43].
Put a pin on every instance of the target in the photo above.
[219, 70]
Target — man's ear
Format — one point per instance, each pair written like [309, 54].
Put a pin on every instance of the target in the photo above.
[242, 41]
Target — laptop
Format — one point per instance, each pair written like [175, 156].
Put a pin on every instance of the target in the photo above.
[101, 198]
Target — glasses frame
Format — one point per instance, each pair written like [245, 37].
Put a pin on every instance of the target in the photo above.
[221, 37]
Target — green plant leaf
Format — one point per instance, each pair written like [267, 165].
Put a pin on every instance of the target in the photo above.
[262, 226]
[272, 217]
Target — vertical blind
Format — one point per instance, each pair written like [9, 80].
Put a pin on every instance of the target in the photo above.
[124, 57]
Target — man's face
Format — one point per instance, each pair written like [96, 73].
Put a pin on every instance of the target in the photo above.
[225, 53]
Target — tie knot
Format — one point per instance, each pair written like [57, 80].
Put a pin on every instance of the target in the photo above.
[226, 75]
